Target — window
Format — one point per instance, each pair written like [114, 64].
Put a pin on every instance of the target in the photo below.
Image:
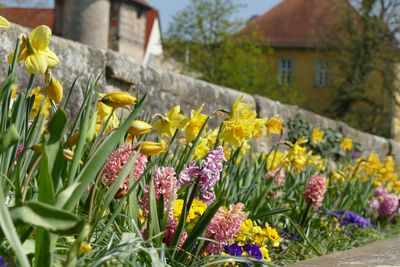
[285, 66]
[322, 72]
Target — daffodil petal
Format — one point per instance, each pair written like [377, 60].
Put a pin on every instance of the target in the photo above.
[40, 37]
[4, 23]
[36, 63]
[52, 58]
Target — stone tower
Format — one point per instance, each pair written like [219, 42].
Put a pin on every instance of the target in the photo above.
[85, 21]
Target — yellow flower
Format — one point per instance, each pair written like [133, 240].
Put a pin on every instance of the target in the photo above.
[85, 248]
[236, 131]
[273, 235]
[35, 51]
[118, 99]
[317, 136]
[170, 123]
[346, 144]
[196, 210]
[275, 160]
[39, 100]
[149, 148]
[297, 154]
[242, 110]
[103, 112]
[54, 90]
[201, 149]
[4, 23]
[139, 128]
[14, 91]
[259, 127]
[274, 126]
[265, 253]
[194, 124]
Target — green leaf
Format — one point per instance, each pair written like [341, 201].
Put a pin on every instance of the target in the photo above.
[9, 138]
[46, 187]
[47, 216]
[265, 214]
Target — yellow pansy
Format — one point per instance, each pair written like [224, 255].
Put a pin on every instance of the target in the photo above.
[4, 23]
[274, 126]
[35, 51]
[265, 253]
[170, 123]
[85, 248]
[317, 136]
[194, 123]
[346, 144]
[273, 235]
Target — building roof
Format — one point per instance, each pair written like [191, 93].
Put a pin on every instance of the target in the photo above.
[151, 16]
[29, 17]
[298, 23]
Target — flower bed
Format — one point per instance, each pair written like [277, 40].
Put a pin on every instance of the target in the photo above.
[115, 186]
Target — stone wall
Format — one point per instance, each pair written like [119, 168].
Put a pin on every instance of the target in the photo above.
[165, 88]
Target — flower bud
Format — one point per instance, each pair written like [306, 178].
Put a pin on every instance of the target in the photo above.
[139, 128]
[152, 148]
[54, 90]
[118, 99]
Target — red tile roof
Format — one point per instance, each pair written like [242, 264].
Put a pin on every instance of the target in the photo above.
[298, 23]
[29, 17]
[151, 16]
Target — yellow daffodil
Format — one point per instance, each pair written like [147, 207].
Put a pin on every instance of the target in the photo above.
[317, 136]
[274, 126]
[242, 110]
[169, 123]
[139, 128]
[201, 149]
[4, 23]
[14, 91]
[54, 90]
[35, 51]
[275, 160]
[346, 144]
[118, 99]
[194, 123]
[40, 100]
[236, 131]
[297, 154]
[149, 148]
[103, 114]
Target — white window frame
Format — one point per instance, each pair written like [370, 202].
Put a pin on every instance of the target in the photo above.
[285, 71]
[322, 72]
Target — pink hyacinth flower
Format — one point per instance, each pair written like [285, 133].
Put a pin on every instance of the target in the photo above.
[315, 191]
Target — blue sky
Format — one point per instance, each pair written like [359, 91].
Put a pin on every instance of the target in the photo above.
[168, 8]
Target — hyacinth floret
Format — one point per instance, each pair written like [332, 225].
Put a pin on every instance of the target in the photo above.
[117, 161]
[389, 205]
[224, 226]
[315, 191]
[166, 184]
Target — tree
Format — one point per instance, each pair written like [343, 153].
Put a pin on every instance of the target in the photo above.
[204, 38]
[368, 53]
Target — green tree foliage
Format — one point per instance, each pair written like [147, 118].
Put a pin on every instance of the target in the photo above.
[205, 37]
[368, 54]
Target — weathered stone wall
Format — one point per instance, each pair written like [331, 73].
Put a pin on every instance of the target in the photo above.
[165, 89]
